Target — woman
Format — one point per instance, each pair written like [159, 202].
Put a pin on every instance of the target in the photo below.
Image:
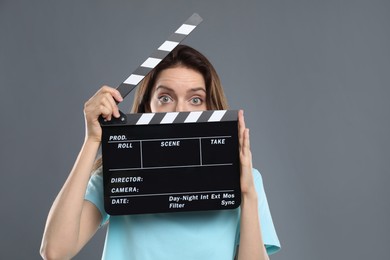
[184, 81]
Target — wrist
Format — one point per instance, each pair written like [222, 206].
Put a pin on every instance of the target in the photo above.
[249, 197]
[91, 141]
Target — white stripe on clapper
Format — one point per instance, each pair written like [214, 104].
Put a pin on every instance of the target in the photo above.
[185, 29]
[169, 117]
[168, 46]
[145, 119]
[134, 79]
[151, 63]
[193, 117]
[217, 116]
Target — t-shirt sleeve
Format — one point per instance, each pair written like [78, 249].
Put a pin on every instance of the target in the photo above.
[270, 238]
[94, 194]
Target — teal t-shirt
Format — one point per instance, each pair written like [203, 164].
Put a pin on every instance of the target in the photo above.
[185, 235]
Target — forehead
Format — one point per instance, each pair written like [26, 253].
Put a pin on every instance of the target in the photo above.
[180, 76]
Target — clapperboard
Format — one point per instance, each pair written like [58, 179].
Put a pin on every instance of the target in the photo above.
[170, 162]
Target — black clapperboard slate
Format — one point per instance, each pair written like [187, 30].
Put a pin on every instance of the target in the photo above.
[171, 162]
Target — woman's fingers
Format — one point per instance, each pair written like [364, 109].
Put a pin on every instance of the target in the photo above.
[104, 103]
[108, 107]
[245, 152]
[105, 109]
[246, 179]
[114, 93]
[241, 127]
[110, 98]
[246, 143]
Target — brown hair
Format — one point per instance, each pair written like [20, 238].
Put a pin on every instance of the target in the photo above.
[184, 56]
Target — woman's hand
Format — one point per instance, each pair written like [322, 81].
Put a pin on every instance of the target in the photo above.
[247, 184]
[103, 103]
[251, 239]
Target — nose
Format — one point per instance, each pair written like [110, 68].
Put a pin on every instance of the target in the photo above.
[181, 106]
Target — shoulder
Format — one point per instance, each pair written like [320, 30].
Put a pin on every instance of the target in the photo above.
[257, 178]
[98, 171]
[259, 186]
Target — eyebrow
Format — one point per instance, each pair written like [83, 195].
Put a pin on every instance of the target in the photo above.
[190, 90]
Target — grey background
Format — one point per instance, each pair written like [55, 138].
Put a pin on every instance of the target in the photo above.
[312, 76]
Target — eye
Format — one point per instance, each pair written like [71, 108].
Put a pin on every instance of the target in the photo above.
[196, 101]
[165, 99]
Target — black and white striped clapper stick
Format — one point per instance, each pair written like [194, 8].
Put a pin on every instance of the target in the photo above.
[158, 55]
[181, 117]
